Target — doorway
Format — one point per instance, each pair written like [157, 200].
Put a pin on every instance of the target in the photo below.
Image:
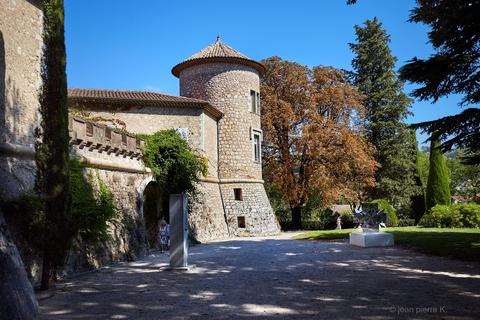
[155, 208]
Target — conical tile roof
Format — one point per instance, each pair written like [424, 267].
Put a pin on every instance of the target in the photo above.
[217, 52]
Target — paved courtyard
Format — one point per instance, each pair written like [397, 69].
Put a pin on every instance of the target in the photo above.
[275, 278]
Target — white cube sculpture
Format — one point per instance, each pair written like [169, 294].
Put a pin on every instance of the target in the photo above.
[371, 239]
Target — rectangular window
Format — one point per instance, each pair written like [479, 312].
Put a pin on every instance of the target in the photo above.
[241, 222]
[237, 192]
[256, 147]
[257, 105]
[184, 132]
[252, 101]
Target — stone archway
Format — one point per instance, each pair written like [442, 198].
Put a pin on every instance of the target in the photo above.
[154, 209]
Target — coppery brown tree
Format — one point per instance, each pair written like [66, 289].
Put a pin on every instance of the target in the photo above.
[313, 143]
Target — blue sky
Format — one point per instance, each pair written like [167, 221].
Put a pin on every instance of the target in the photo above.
[133, 45]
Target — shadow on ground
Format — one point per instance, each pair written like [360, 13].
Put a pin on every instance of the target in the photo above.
[276, 279]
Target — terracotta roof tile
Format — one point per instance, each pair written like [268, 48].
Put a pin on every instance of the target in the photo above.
[136, 98]
[217, 52]
[218, 49]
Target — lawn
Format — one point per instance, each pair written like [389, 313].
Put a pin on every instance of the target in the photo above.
[456, 243]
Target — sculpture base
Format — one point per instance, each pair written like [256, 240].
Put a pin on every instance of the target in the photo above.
[371, 239]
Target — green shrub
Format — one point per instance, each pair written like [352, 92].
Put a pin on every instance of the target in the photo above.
[328, 219]
[469, 213]
[465, 215]
[406, 222]
[389, 210]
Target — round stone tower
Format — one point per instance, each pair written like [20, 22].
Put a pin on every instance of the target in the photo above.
[230, 81]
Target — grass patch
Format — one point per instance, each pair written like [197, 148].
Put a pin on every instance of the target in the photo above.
[459, 243]
[324, 234]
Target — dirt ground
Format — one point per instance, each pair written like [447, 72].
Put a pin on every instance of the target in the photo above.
[275, 278]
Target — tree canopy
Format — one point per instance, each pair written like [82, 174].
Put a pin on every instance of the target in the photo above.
[175, 166]
[311, 119]
[453, 68]
[386, 108]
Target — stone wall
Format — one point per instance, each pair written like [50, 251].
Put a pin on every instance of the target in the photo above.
[148, 120]
[210, 138]
[20, 81]
[227, 88]
[207, 220]
[127, 237]
[115, 158]
[252, 215]
[206, 216]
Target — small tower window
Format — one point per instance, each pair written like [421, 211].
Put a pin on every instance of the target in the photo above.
[237, 192]
[254, 102]
[257, 105]
[241, 222]
[256, 147]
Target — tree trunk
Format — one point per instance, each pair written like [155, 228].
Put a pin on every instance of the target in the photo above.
[296, 218]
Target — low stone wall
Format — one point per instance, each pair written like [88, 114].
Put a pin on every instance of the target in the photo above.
[114, 157]
[207, 219]
[127, 236]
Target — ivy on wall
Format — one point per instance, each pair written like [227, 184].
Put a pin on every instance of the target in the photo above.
[92, 210]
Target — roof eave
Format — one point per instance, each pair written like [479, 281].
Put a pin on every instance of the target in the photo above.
[217, 114]
[176, 70]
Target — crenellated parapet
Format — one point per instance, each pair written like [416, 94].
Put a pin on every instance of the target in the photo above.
[95, 136]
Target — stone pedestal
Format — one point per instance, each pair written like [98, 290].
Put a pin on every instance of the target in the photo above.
[178, 231]
[371, 239]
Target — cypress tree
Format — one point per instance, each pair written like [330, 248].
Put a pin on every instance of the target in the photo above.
[52, 153]
[438, 185]
[417, 200]
[387, 106]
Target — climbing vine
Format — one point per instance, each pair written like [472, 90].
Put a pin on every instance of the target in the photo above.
[92, 211]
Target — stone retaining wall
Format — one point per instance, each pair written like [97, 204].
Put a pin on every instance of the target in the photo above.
[20, 81]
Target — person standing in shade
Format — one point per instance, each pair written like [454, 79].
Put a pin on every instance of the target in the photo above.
[163, 235]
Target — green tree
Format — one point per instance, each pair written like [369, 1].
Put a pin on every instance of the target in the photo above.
[452, 69]
[387, 106]
[52, 151]
[175, 166]
[438, 185]
[464, 178]
[313, 143]
[418, 199]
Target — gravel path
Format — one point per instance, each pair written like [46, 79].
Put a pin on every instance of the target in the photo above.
[275, 278]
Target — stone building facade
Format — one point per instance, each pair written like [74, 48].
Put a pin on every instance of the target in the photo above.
[148, 112]
[21, 26]
[218, 112]
[230, 82]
